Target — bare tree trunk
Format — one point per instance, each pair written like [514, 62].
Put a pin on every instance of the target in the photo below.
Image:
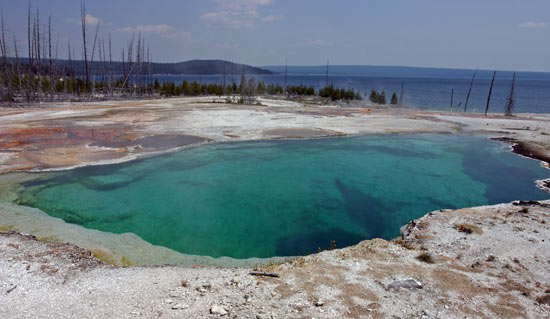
[326, 80]
[286, 71]
[37, 44]
[50, 56]
[92, 59]
[401, 94]
[224, 79]
[83, 18]
[469, 91]
[29, 34]
[490, 92]
[17, 66]
[130, 55]
[510, 102]
[6, 65]
[56, 68]
[65, 91]
[101, 44]
[38, 56]
[452, 96]
[122, 80]
[149, 77]
[138, 62]
[29, 85]
[111, 84]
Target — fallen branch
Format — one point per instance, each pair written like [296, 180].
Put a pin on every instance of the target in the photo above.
[11, 289]
[263, 273]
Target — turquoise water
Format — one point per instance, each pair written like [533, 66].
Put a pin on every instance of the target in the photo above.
[284, 198]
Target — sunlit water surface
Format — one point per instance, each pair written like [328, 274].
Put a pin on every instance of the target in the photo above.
[285, 198]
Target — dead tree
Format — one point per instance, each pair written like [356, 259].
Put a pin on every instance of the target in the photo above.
[243, 87]
[29, 34]
[286, 72]
[224, 83]
[8, 96]
[92, 57]
[103, 68]
[149, 71]
[111, 82]
[490, 92]
[130, 56]
[401, 94]
[326, 79]
[17, 65]
[469, 91]
[452, 96]
[38, 56]
[29, 86]
[510, 101]
[123, 79]
[83, 18]
[50, 70]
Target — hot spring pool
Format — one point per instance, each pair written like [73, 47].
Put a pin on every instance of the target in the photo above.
[285, 198]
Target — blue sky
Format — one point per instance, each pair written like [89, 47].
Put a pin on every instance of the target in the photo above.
[489, 34]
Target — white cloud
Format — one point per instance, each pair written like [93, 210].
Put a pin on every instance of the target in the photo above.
[315, 43]
[236, 13]
[534, 25]
[162, 30]
[271, 18]
[90, 20]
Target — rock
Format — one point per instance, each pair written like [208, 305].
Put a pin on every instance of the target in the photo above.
[319, 303]
[180, 306]
[544, 299]
[218, 310]
[409, 283]
[168, 301]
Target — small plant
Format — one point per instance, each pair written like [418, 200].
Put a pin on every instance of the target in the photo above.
[405, 244]
[524, 210]
[464, 229]
[425, 257]
[332, 245]
[299, 261]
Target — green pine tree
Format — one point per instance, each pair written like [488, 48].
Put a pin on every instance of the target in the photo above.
[382, 98]
[374, 96]
[394, 100]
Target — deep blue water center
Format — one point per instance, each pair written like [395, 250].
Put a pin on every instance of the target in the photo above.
[285, 198]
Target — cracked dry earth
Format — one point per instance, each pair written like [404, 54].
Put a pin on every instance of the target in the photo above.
[483, 262]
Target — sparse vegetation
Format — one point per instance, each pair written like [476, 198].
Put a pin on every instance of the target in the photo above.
[43, 77]
[380, 97]
[463, 228]
[337, 94]
[405, 244]
[425, 257]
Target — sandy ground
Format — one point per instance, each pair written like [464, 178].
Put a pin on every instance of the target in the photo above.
[485, 262]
